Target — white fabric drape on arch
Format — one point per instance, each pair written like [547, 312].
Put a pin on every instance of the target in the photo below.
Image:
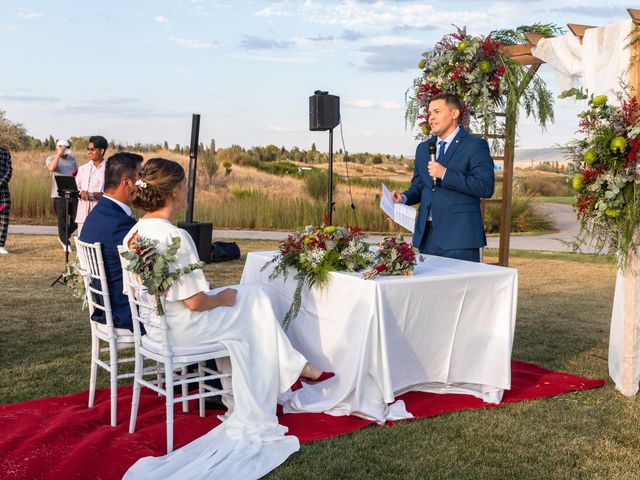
[600, 60]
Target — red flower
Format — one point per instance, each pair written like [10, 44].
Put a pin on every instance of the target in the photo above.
[74, 172]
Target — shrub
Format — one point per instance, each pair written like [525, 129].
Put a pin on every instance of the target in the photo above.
[544, 185]
[525, 216]
[315, 183]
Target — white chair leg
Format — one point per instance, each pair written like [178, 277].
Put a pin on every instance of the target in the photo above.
[113, 364]
[185, 390]
[95, 351]
[135, 397]
[200, 390]
[169, 406]
[159, 376]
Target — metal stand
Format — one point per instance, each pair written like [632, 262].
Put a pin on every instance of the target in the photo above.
[330, 180]
[68, 195]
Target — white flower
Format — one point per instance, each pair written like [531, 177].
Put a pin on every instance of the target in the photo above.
[141, 183]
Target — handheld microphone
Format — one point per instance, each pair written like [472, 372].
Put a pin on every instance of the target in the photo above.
[432, 158]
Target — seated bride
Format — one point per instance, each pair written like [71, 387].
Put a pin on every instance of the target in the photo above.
[250, 442]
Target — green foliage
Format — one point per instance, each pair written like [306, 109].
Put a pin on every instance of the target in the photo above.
[13, 136]
[517, 36]
[543, 185]
[155, 268]
[279, 168]
[315, 183]
[313, 254]
[525, 216]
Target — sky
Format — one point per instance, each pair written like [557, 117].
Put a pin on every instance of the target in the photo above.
[136, 70]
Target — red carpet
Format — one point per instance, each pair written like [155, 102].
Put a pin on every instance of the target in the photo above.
[56, 438]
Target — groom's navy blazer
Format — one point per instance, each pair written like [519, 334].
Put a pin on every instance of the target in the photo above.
[454, 206]
[107, 223]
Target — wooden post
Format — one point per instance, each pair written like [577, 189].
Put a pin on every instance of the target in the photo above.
[634, 72]
[511, 119]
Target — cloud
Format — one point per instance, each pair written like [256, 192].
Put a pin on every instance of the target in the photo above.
[413, 28]
[320, 38]
[391, 58]
[375, 15]
[286, 129]
[29, 98]
[274, 59]
[393, 40]
[599, 11]
[161, 19]
[29, 15]
[251, 42]
[373, 104]
[352, 35]
[193, 44]
[99, 108]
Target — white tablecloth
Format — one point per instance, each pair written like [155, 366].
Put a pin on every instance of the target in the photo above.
[447, 329]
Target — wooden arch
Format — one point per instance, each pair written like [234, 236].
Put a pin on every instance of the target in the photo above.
[522, 54]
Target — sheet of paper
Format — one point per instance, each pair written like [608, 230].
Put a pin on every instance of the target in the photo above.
[403, 215]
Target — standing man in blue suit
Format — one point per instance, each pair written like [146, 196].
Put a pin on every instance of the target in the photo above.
[108, 223]
[449, 222]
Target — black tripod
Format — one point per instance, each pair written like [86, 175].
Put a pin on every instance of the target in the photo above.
[68, 195]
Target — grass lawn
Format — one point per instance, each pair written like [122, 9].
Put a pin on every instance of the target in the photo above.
[564, 307]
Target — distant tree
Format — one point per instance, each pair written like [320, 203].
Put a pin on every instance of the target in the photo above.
[227, 168]
[13, 136]
[165, 145]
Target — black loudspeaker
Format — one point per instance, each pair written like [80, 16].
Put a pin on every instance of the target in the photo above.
[201, 234]
[324, 111]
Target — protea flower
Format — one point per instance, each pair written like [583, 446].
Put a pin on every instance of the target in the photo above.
[618, 144]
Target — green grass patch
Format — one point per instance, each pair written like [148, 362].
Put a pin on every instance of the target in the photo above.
[564, 308]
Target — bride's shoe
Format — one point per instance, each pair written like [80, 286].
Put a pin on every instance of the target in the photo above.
[321, 377]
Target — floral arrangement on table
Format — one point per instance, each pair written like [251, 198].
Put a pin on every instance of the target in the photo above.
[394, 257]
[471, 67]
[315, 252]
[155, 267]
[606, 173]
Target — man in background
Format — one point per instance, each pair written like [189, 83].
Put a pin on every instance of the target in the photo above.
[63, 163]
[5, 197]
[108, 223]
[90, 178]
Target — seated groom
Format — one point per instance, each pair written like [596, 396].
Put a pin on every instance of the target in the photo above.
[108, 223]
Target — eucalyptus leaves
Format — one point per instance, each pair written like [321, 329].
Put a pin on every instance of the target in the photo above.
[606, 173]
[156, 268]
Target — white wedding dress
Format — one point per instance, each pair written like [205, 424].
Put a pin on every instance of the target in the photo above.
[250, 442]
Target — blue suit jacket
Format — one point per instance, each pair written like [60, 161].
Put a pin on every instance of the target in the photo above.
[107, 223]
[454, 207]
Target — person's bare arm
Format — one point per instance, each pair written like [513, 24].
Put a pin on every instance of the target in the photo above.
[201, 301]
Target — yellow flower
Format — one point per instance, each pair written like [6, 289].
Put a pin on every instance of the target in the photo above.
[618, 145]
[612, 212]
[577, 182]
[589, 157]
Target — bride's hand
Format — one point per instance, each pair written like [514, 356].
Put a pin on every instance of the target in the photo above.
[227, 297]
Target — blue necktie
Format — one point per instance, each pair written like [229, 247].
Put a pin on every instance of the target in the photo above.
[442, 144]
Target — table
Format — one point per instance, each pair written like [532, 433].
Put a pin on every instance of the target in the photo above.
[447, 329]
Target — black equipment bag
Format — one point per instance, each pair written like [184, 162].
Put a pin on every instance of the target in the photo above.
[224, 251]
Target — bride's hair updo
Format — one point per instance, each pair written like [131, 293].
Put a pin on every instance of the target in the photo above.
[158, 179]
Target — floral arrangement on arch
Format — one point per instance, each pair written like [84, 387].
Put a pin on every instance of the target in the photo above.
[155, 267]
[395, 257]
[606, 173]
[314, 253]
[471, 67]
